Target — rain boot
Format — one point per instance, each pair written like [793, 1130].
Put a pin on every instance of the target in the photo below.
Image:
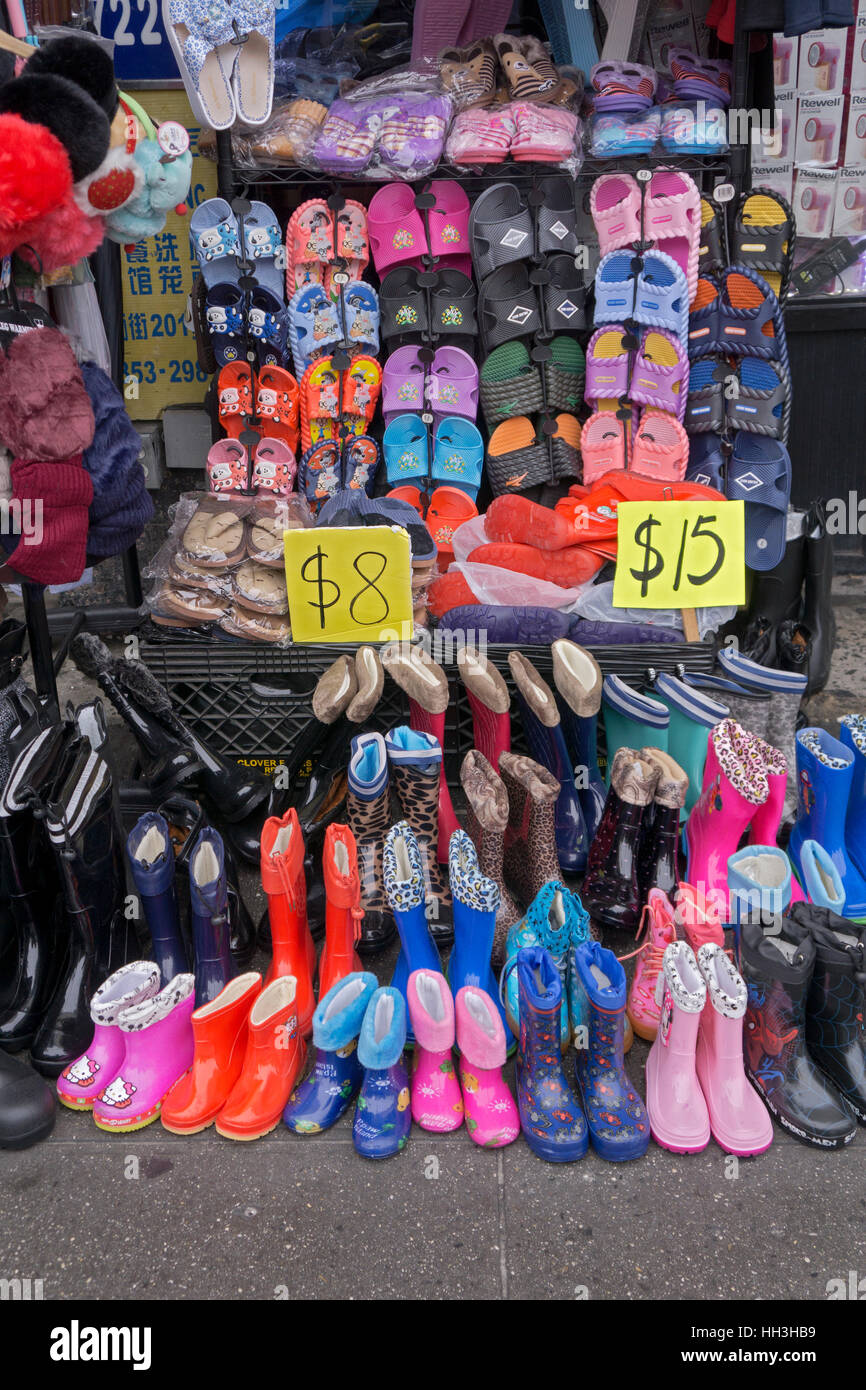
[336, 1075]
[220, 1030]
[818, 614]
[577, 681]
[617, 1121]
[611, 888]
[157, 1049]
[678, 1115]
[151, 860]
[185, 817]
[274, 1056]
[739, 1122]
[530, 858]
[79, 1083]
[759, 881]
[403, 866]
[368, 807]
[659, 928]
[543, 730]
[692, 714]
[285, 887]
[735, 785]
[821, 880]
[699, 916]
[658, 865]
[382, 1115]
[489, 702]
[551, 1116]
[836, 1006]
[437, 1101]
[344, 911]
[476, 899]
[208, 898]
[749, 708]
[631, 720]
[556, 922]
[491, 1114]
[767, 820]
[415, 760]
[26, 1105]
[777, 965]
[852, 733]
[426, 685]
[825, 775]
[487, 822]
[786, 690]
[776, 594]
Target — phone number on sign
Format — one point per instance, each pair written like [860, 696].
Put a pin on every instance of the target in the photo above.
[148, 373]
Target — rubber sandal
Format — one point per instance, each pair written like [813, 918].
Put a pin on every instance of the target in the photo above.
[309, 245]
[263, 246]
[202, 45]
[508, 306]
[452, 383]
[763, 405]
[319, 472]
[509, 384]
[395, 227]
[615, 286]
[563, 296]
[661, 447]
[360, 462]
[615, 205]
[607, 368]
[564, 373]
[403, 384]
[672, 219]
[362, 384]
[278, 404]
[661, 295]
[565, 447]
[449, 508]
[403, 305]
[704, 328]
[566, 568]
[516, 460]
[525, 82]
[452, 305]
[763, 238]
[215, 242]
[500, 229]
[705, 402]
[660, 375]
[749, 318]
[320, 403]
[448, 222]
[352, 242]
[458, 454]
[557, 216]
[361, 310]
[314, 325]
[412, 496]
[706, 463]
[602, 446]
[235, 387]
[711, 251]
[224, 314]
[274, 468]
[228, 466]
[406, 446]
[268, 326]
[759, 474]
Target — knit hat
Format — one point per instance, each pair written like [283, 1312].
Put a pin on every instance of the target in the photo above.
[58, 494]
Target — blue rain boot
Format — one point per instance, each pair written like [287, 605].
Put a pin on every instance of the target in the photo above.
[578, 682]
[151, 859]
[403, 872]
[476, 902]
[618, 1124]
[556, 921]
[759, 881]
[825, 773]
[551, 1116]
[382, 1115]
[692, 716]
[852, 733]
[542, 727]
[631, 720]
[821, 882]
[336, 1077]
[208, 898]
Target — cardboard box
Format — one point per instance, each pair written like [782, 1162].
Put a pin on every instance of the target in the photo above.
[855, 131]
[786, 58]
[814, 202]
[857, 80]
[819, 130]
[778, 146]
[822, 61]
[850, 215]
[778, 177]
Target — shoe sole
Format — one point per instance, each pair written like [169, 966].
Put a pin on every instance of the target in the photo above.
[245, 1138]
[127, 1129]
[196, 1129]
[814, 1141]
[641, 1030]
[78, 1106]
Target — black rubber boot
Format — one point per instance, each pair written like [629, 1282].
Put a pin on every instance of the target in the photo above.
[777, 962]
[793, 647]
[27, 1105]
[835, 1030]
[818, 606]
[611, 889]
[777, 593]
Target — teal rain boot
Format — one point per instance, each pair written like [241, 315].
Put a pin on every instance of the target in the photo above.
[692, 715]
[336, 1077]
[631, 720]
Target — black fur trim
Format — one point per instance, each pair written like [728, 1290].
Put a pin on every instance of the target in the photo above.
[67, 111]
[84, 62]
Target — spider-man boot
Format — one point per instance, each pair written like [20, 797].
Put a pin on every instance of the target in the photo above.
[618, 1124]
[551, 1116]
[837, 1000]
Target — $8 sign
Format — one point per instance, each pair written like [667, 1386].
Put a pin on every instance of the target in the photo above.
[679, 554]
[349, 584]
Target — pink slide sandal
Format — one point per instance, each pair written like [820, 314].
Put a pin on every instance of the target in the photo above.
[602, 446]
[672, 220]
[396, 228]
[449, 225]
[661, 447]
[615, 206]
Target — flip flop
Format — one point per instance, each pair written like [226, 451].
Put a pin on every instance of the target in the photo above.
[510, 384]
[749, 318]
[564, 373]
[615, 286]
[763, 405]
[602, 446]
[403, 384]
[763, 237]
[607, 368]
[759, 474]
[278, 404]
[661, 295]
[352, 242]
[458, 454]
[515, 458]
[448, 221]
[224, 315]
[268, 326]
[235, 386]
[661, 447]
[452, 385]
[215, 242]
[360, 462]
[274, 468]
[672, 219]
[362, 383]
[403, 304]
[320, 403]
[228, 466]
[319, 472]
[660, 375]
[263, 243]
[563, 295]
[557, 216]
[501, 229]
[314, 325]
[449, 508]
[615, 205]
[361, 312]
[395, 227]
[452, 305]
[406, 445]
[711, 251]
[508, 306]
[705, 403]
[309, 245]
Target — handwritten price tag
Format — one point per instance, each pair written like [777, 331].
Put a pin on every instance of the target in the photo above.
[349, 584]
[680, 555]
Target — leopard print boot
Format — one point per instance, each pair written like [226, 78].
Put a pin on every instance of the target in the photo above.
[530, 858]
[368, 807]
[415, 761]
[487, 822]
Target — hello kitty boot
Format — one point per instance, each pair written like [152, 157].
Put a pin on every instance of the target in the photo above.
[158, 1048]
[80, 1082]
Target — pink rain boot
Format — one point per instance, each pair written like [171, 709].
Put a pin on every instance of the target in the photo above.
[675, 1103]
[659, 928]
[158, 1048]
[767, 819]
[739, 1119]
[491, 1112]
[437, 1103]
[735, 785]
[79, 1083]
[699, 916]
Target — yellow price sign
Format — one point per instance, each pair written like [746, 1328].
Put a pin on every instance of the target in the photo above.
[349, 584]
[680, 554]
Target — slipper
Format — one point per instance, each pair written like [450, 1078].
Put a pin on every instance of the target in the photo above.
[700, 78]
[711, 251]
[705, 402]
[268, 326]
[256, 627]
[458, 454]
[319, 472]
[411, 132]
[253, 73]
[508, 306]
[448, 222]
[510, 384]
[260, 587]
[515, 457]
[613, 135]
[615, 286]
[469, 74]
[278, 404]
[309, 245]
[661, 447]
[361, 313]
[263, 244]
[224, 314]
[566, 568]
[623, 85]
[274, 467]
[500, 229]
[314, 325]
[395, 227]
[763, 237]
[661, 296]
[759, 474]
[403, 384]
[267, 524]
[352, 243]
[202, 44]
[525, 82]
[452, 305]
[672, 220]
[235, 386]
[564, 373]
[602, 446]
[214, 535]
[403, 304]
[449, 508]
[544, 134]
[227, 466]
[215, 241]
[362, 383]
[607, 368]
[345, 144]
[320, 403]
[763, 405]
[563, 295]
[615, 205]
[360, 462]
[452, 384]
[406, 446]
[480, 136]
[660, 376]
[749, 318]
[557, 216]
[706, 462]
[179, 606]
[565, 447]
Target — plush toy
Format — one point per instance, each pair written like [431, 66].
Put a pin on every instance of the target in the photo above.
[164, 185]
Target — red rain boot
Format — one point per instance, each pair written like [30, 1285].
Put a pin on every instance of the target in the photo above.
[343, 910]
[284, 883]
[490, 703]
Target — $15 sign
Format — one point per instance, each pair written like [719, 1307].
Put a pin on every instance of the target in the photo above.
[680, 554]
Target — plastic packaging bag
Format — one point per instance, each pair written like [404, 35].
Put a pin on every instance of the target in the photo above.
[596, 605]
[492, 584]
[523, 131]
[613, 135]
[693, 127]
[384, 136]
